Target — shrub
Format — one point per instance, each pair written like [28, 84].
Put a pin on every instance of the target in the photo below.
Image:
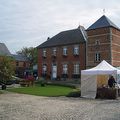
[41, 82]
[74, 94]
[62, 84]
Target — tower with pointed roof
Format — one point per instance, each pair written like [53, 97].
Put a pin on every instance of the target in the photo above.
[103, 42]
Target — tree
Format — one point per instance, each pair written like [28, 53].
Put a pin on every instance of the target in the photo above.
[30, 53]
[6, 68]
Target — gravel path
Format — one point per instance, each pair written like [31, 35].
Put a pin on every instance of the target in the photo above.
[27, 107]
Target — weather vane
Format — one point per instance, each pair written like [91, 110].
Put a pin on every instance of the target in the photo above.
[103, 11]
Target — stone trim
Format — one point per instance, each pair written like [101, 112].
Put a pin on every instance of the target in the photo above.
[99, 51]
[98, 35]
[115, 51]
[99, 45]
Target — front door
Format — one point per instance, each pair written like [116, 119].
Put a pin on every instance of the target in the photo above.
[54, 71]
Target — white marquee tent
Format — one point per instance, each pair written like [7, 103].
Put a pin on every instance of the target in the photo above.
[89, 78]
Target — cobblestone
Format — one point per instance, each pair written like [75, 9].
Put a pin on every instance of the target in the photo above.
[27, 107]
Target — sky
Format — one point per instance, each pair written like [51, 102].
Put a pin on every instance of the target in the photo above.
[28, 23]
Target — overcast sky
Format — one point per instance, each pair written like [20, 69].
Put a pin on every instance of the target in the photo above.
[28, 23]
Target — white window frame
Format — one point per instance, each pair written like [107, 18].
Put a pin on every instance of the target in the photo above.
[44, 53]
[65, 68]
[44, 68]
[76, 68]
[97, 57]
[65, 51]
[76, 50]
[54, 51]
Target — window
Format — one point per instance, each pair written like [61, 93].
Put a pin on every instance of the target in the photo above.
[65, 51]
[54, 51]
[24, 64]
[44, 68]
[44, 52]
[65, 68]
[76, 50]
[17, 63]
[97, 57]
[76, 68]
[97, 42]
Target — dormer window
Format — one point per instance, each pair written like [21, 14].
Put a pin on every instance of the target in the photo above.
[65, 51]
[54, 51]
[76, 50]
[44, 52]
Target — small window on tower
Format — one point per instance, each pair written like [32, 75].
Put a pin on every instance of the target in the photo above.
[97, 57]
[97, 42]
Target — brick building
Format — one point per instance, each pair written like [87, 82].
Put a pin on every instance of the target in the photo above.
[21, 63]
[63, 56]
[68, 52]
[103, 43]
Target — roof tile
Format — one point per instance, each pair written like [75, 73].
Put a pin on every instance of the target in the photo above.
[103, 22]
[66, 37]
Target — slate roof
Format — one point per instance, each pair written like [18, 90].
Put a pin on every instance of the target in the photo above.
[20, 58]
[66, 37]
[103, 22]
[4, 50]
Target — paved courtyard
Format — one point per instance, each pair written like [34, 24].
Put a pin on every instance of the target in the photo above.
[27, 107]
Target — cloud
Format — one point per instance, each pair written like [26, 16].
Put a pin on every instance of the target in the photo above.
[30, 22]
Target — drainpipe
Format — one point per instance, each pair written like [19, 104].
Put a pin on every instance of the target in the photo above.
[86, 52]
[86, 38]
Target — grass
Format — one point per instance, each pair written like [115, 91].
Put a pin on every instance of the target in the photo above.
[48, 90]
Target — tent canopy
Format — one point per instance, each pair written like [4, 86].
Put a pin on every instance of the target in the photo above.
[95, 77]
[102, 68]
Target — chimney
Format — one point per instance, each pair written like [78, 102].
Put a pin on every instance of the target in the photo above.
[48, 38]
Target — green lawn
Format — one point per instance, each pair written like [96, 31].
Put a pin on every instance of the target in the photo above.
[48, 90]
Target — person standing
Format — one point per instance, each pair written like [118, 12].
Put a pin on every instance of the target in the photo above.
[111, 82]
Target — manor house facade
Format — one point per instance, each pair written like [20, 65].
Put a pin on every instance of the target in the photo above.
[67, 53]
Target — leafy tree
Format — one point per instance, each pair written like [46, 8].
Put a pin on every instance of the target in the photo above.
[30, 53]
[6, 68]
